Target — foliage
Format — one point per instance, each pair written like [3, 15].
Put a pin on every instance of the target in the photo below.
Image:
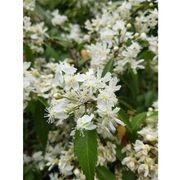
[90, 89]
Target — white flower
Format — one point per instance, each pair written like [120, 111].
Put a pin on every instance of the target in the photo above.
[38, 159]
[155, 105]
[106, 153]
[39, 32]
[26, 66]
[124, 9]
[136, 2]
[132, 51]
[29, 4]
[106, 98]
[67, 68]
[65, 162]
[79, 174]
[86, 123]
[75, 33]
[149, 134]
[108, 122]
[51, 161]
[71, 82]
[130, 162]
[26, 23]
[143, 168]
[136, 65]
[34, 34]
[152, 18]
[57, 18]
[94, 81]
[26, 159]
[53, 176]
[129, 56]
[58, 111]
[107, 35]
[119, 25]
[37, 156]
[141, 150]
[99, 54]
[61, 69]
[153, 44]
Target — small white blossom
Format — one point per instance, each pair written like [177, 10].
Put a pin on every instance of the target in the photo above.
[99, 54]
[29, 4]
[57, 18]
[143, 168]
[86, 123]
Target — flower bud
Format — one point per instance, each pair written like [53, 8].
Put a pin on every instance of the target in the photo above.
[57, 96]
[115, 48]
[129, 25]
[136, 35]
[84, 54]
[151, 4]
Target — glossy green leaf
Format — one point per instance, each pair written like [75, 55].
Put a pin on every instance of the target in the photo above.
[85, 147]
[128, 175]
[104, 174]
[40, 122]
[28, 55]
[108, 67]
[149, 98]
[119, 154]
[146, 54]
[138, 120]
[51, 52]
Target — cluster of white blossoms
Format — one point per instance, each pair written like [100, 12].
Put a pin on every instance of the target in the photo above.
[106, 153]
[37, 83]
[62, 156]
[58, 19]
[121, 32]
[141, 157]
[90, 97]
[35, 30]
[34, 34]
[65, 69]
[29, 5]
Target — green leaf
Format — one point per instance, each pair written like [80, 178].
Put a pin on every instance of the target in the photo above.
[119, 154]
[104, 174]
[108, 67]
[40, 123]
[85, 147]
[29, 176]
[128, 175]
[149, 98]
[42, 14]
[134, 84]
[51, 52]
[43, 101]
[61, 41]
[26, 169]
[144, 43]
[146, 54]
[138, 120]
[28, 53]
[30, 173]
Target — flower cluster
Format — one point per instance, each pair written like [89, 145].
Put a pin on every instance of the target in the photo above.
[88, 96]
[141, 157]
[34, 34]
[123, 31]
[90, 78]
